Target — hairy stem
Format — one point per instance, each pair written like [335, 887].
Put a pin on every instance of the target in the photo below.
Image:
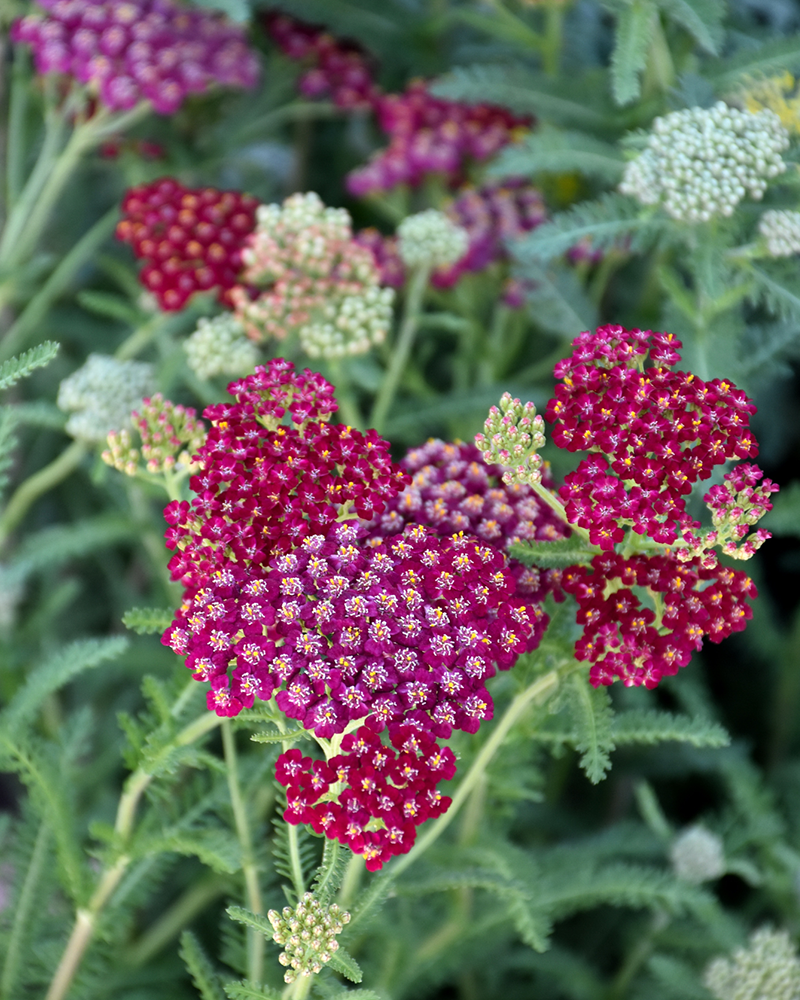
[255, 939]
[402, 348]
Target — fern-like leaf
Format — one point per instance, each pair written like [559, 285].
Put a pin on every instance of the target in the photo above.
[249, 919]
[649, 727]
[289, 737]
[701, 18]
[245, 990]
[15, 369]
[556, 300]
[777, 286]
[592, 716]
[551, 151]
[602, 223]
[635, 30]
[214, 847]
[764, 60]
[200, 968]
[146, 621]
[8, 443]
[564, 552]
[331, 871]
[342, 961]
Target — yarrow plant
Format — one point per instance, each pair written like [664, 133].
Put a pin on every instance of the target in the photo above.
[219, 346]
[701, 162]
[101, 394]
[311, 279]
[780, 230]
[170, 435]
[157, 51]
[308, 932]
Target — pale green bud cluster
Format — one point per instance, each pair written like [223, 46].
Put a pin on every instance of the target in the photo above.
[170, 435]
[308, 935]
[350, 326]
[430, 239]
[514, 436]
[768, 969]
[697, 855]
[101, 395]
[219, 347]
[701, 162]
[781, 232]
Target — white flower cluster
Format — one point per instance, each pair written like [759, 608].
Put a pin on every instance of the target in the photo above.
[700, 163]
[219, 347]
[101, 395]
[308, 934]
[697, 855]
[350, 325]
[781, 232]
[430, 239]
[768, 969]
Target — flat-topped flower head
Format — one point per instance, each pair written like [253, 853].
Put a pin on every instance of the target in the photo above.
[430, 135]
[306, 275]
[373, 795]
[101, 395]
[159, 51]
[430, 239]
[780, 231]
[190, 239]
[273, 470]
[170, 436]
[219, 346]
[652, 433]
[701, 162]
[767, 969]
[308, 934]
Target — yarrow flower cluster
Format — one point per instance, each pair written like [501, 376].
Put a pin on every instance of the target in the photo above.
[101, 395]
[701, 162]
[429, 239]
[653, 433]
[697, 855]
[513, 439]
[780, 231]
[767, 969]
[338, 70]
[190, 239]
[170, 435]
[138, 50]
[387, 790]
[431, 135]
[219, 346]
[777, 94]
[317, 281]
[308, 932]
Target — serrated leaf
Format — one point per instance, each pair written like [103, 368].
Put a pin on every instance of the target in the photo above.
[502, 24]
[564, 552]
[635, 29]
[590, 709]
[331, 871]
[701, 18]
[784, 518]
[290, 736]
[552, 151]
[601, 223]
[778, 288]
[215, 848]
[17, 368]
[199, 967]
[342, 961]
[146, 621]
[767, 59]
[651, 726]
[250, 991]
[250, 919]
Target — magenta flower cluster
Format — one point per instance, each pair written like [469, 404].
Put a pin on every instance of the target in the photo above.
[337, 69]
[736, 505]
[625, 639]
[389, 790]
[138, 50]
[654, 433]
[288, 593]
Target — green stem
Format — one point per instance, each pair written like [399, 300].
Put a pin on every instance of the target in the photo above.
[556, 505]
[299, 989]
[405, 341]
[17, 111]
[37, 484]
[553, 36]
[30, 318]
[22, 913]
[255, 939]
[86, 917]
[351, 881]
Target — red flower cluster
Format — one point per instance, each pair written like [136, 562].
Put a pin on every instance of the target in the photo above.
[452, 489]
[638, 644]
[389, 790]
[492, 214]
[662, 431]
[190, 239]
[431, 135]
[138, 50]
[265, 486]
[339, 70]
